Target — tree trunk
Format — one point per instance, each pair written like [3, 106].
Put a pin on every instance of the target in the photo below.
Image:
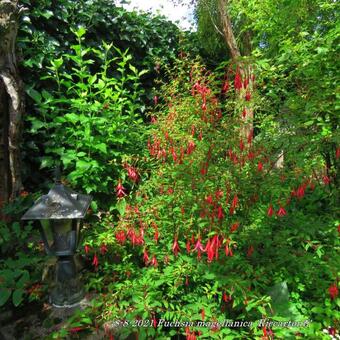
[227, 30]
[11, 103]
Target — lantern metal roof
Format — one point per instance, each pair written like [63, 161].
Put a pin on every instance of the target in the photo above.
[60, 203]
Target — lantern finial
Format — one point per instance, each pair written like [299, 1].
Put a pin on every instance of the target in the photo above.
[57, 174]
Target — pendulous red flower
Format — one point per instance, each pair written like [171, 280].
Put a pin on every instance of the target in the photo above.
[120, 190]
[281, 212]
[225, 87]
[145, 257]
[333, 291]
[175, 247]
[337, 153]
[250, 251]
[220, 214]
[270, 211]
[153, 261]
[326, 179]
[120, 236]
[103, 249]
[234, 227]
[238, 81]
[95, 261]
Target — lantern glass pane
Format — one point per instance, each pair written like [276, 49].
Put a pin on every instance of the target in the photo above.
[62, 230]
[47, 230]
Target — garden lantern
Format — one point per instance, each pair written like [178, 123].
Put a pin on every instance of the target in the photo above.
[60, 213]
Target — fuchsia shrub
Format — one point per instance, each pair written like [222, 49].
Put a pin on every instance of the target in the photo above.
[214, 221]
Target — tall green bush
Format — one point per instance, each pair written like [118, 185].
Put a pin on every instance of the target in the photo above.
[219, 232]
[92, 122]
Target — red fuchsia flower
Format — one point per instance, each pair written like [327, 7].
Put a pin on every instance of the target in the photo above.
[203, 170]
[245, 83]
[281, 212]
[218, 194]
[251, 155]
[333, 291]
[234, 227]
[339, 228]
[332, 331]
[209, 199]
[145, 257]
[198, 245]
[182, 210]
[244, 113]
[204, 106]
[95, 261]
[87, 248]
[337, 153]
[203, 314]
[132, 173]
[155, 100]
[189, 335]
[300, 191]
[192, 130]
[270, 211]
[120, 190]
[175, 247]
[225, 87]
[241, 145]
[259, 166]
[153, 261]
[200, 135]
[238, 81]
[228, 250]
[326, 180]
[247, 96]
[76, 329]
[220, 214]
[188, 246]
[24, 193]
[154, 321]
[156, 236]
[209, 249]
[225, 297]
[234, 202]
[250, 251]
[103, 249]
[120, 236]
[153, 120]
[191, 147]
[173, 153]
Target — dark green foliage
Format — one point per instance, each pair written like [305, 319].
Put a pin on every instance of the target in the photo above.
[45, 36]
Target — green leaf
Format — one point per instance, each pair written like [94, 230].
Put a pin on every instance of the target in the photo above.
[56, 63]
[18, 296]
[5, 294]
[101, 147]
[80, 32]
[121, 205]
[72, 117]
[23, 280]
[35, 95]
